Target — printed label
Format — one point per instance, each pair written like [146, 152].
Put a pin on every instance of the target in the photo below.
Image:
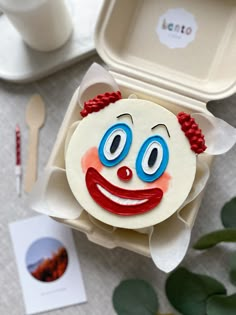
[176, 28]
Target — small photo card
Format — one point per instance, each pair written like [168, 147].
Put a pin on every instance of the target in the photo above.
[47, 263]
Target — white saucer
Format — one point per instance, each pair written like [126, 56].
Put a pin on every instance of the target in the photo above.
[19, 63]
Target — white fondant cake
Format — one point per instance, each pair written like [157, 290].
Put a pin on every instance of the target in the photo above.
[130, 165]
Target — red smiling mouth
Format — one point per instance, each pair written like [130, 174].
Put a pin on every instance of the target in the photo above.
[118, 200]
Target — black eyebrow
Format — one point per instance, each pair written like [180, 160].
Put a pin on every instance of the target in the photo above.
[164, 126]
[126, 114]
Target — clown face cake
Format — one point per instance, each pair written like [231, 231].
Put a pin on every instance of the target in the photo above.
[130, 162]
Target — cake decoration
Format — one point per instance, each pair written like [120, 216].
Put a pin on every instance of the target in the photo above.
[192, 132]
[115, 144]
[124, 173]
[128, 172]
[152, 159]
[131, 202]
[99, 102]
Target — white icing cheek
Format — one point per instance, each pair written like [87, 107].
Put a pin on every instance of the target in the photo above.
[163, 182]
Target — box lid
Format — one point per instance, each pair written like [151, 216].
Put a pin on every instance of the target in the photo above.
[185, 46]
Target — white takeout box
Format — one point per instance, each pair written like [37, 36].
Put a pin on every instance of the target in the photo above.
[134, 38]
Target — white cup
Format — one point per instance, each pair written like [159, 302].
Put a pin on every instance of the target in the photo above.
[44, 25]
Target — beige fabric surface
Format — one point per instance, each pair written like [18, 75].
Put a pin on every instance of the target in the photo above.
[103, 269]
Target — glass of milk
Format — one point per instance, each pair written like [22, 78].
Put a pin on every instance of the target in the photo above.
[44, 25]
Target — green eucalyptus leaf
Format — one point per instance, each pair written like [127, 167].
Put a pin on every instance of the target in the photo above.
[216, 237]
[233, 269]
[228, 214]
[221, 305]
[135, 297]
[188, 292]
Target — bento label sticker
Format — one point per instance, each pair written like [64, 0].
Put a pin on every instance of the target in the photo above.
[176, 28]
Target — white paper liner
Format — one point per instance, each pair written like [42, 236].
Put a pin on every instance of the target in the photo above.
[52, 196]
[169, 243]
[97, 80]
[200, 181]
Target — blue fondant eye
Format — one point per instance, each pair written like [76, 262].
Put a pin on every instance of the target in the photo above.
[115, 144]
[152, 159]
